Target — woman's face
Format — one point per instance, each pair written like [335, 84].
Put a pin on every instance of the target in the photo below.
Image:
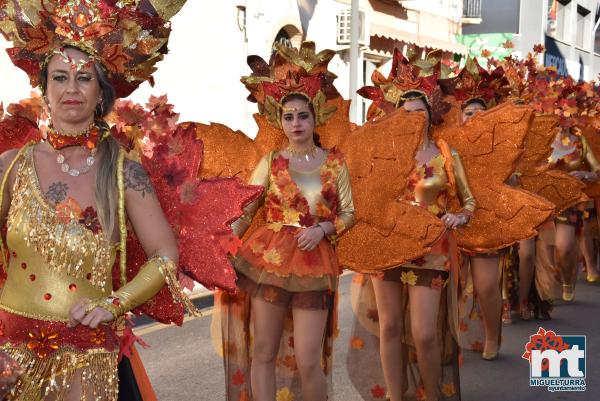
[298, 122]
[73, 90]
[418, 105]
[470, 110]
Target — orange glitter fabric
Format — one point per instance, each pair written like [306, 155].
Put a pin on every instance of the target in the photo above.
[593, 137]
[388, 232]
[556, 186]
[490, 145]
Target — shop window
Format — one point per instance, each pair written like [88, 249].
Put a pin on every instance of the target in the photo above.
[584, 20]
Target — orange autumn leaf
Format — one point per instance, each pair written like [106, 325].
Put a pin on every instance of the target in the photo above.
[244, 395]
[357, 343]
[437, 283]
[289, 361]
[68, 210]
[420, 394]
[448, 389]
[270, 295]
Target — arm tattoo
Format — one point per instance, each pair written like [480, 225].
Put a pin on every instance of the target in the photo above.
[136, 178]
[57, 192]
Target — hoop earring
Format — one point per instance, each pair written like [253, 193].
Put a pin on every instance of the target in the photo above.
[100, 109]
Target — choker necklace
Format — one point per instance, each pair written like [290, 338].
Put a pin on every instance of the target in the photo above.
[88, 137]
[306, 154]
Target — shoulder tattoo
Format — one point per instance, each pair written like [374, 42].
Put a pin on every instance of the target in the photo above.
[136, 178]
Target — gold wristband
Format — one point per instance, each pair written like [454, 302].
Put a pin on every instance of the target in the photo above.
[104, 303]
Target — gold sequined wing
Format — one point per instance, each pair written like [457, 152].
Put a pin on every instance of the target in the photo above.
[380, 156]
[556, 186]
[490, 145]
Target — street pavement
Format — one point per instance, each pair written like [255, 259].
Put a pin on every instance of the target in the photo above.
[183, 365]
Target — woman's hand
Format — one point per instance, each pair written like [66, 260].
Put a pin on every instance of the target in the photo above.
[309, 238]
[584, 175]
[454, 220]
[92, 318]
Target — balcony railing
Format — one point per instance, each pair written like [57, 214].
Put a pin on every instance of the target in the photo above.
[471, 8]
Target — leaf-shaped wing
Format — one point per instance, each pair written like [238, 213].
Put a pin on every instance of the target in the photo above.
[556, 186]
[199, 210]
[227, 153]
[490, 145]
[590, 133]
[380, 156]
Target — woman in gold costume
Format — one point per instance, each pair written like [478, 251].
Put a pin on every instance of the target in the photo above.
[288, 269]
[64, 200]
[416, 315]
[571, 153]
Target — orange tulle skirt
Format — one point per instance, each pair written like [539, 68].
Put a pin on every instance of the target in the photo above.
[275, 250]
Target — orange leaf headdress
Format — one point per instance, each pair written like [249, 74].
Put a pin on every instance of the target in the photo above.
[475, 82]
[406, 76]
[127, 37]
[292, 71]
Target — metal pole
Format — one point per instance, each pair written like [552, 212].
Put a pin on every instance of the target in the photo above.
[354, 34]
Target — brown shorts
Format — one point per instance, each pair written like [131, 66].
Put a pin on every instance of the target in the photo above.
[316, 300]
[422, 277]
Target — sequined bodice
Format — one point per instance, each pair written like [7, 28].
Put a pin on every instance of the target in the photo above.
[428, 186]
[568, 152]
[54, 259]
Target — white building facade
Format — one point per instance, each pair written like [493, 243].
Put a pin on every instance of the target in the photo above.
[211, 41]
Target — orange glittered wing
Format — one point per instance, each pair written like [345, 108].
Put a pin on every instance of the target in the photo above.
[590, 133]
[556, 186]
[227, 153]
[380, 156]
[490, 145]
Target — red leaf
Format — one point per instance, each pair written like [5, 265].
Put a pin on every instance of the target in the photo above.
[238, 378]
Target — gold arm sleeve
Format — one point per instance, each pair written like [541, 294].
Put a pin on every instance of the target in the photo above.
[148, 282]
[467, 199]
[589, 157]
[345, 218]
[260, 176]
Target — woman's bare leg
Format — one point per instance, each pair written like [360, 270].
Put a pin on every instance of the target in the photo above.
[424, 308]
[526, 270]
[309, 334]
[565, 256]
[268, 326]
[388, 296]
[486, 281]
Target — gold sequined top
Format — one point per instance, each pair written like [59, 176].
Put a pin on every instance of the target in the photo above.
[570, 152]
[288, 192]
[428, 185]
[54, 261]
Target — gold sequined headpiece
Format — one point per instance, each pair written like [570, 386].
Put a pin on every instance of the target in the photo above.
[292, 71]
[407, 76]
[127, 37]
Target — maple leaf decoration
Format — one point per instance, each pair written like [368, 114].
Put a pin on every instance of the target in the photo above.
[199, 211]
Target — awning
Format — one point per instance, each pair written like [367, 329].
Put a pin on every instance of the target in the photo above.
[416, 39]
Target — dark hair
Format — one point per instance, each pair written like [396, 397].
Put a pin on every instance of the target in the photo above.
[300, 96]
[106, 89]
[416, 95]
[474, 100]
